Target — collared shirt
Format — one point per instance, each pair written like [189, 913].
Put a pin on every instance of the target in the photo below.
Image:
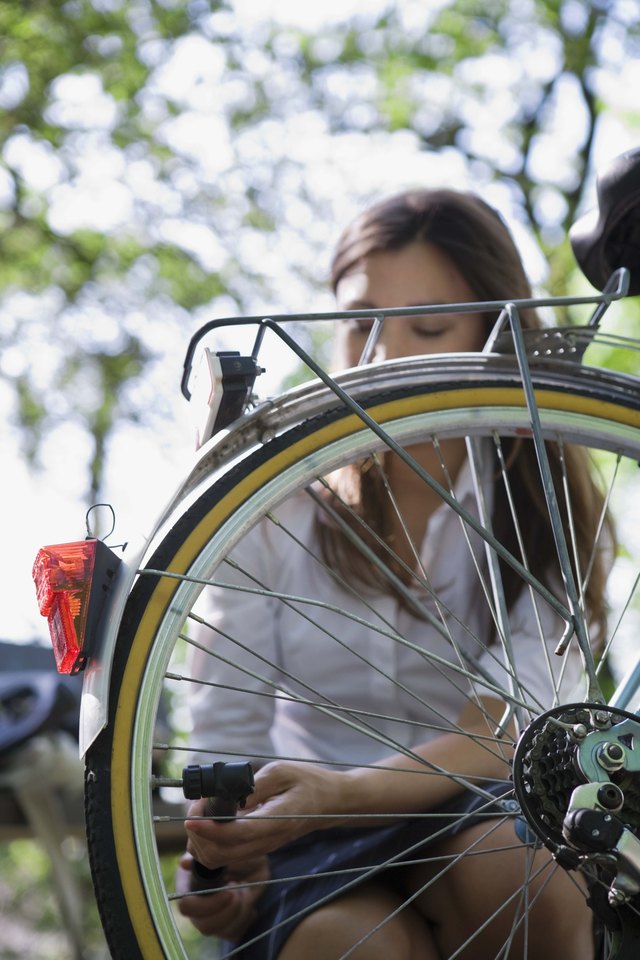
[356, 672]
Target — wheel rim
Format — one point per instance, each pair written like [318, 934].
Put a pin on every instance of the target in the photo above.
[574, 426]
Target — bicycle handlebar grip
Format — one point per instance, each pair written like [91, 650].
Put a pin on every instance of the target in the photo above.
[226, 787]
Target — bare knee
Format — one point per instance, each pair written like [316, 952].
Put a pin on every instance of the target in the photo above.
[366, 919]
[501, 894]
[561, 922]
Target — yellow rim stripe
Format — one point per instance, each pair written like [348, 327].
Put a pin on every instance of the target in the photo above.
[141, 644]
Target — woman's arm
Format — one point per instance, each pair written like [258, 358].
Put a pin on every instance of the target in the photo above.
[472, 755]
[293, 799]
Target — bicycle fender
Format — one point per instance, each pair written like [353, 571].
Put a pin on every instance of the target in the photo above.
[94, 704]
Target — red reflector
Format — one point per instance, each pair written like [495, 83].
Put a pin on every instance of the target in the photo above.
[63, 575]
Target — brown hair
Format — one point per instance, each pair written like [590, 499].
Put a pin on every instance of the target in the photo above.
[465, 228]
[477, 241]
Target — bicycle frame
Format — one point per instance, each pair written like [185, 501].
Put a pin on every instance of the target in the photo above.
[272, 415]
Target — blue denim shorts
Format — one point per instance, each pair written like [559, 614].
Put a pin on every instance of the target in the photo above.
[317, 868]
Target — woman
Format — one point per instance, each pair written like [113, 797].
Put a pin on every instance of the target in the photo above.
[419, 248]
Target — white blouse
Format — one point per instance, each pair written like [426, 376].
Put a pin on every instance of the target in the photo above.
[354, 673]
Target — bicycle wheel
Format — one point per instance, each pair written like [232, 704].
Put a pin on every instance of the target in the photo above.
[477, 398]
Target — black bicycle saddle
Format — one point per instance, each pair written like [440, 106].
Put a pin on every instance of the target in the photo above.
[609, 236]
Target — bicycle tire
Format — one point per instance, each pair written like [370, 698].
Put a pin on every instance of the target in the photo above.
[581, 406]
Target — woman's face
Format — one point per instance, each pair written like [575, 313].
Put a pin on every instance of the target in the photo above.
[416, 275]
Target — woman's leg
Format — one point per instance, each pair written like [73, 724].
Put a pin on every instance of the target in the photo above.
[550, 922]
[334, 928]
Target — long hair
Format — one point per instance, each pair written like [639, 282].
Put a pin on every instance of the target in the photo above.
[478, 243]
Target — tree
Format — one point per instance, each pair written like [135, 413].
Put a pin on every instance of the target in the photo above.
[164, 162]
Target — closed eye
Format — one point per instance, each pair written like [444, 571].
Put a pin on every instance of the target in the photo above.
[429, 332]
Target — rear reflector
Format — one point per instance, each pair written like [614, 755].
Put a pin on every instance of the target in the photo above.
[72, 581]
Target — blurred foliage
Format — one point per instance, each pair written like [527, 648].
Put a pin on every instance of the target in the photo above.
[33, 925]
[31, 917]
[159, 163]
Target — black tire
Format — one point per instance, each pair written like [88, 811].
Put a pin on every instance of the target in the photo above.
[136, 911]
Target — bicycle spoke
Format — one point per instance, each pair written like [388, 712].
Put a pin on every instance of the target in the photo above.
[371, 714]
[320, 704]
[446, 613]
[602, 520]
[437, 662]
[334, 710]
[515, 519]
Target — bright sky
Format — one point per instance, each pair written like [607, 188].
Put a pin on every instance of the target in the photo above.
[44, 507]
[308, 16]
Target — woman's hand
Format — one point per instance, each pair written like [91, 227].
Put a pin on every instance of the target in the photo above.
[230, 911]
[293, 799]
[288, 798]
